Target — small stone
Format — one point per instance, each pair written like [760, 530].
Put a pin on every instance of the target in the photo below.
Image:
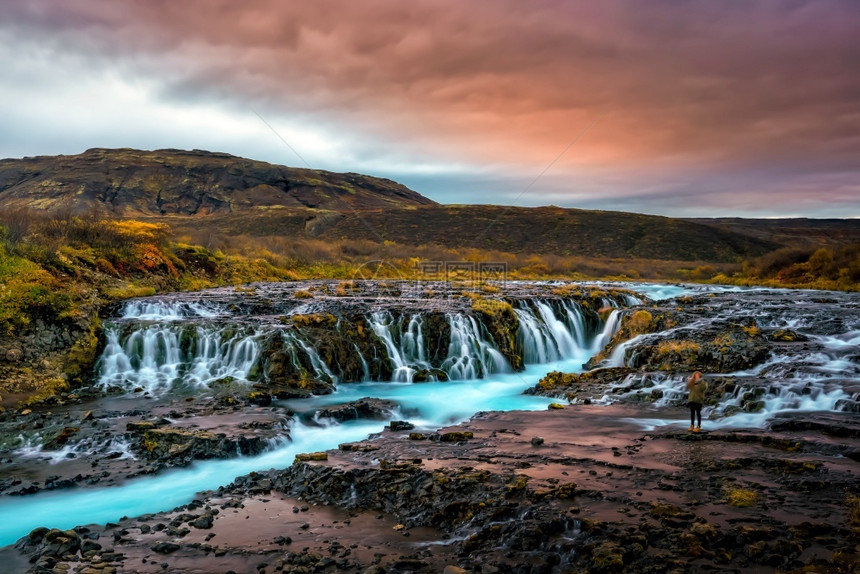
[537, 441]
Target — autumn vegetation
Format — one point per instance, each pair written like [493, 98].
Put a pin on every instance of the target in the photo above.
[55, 263]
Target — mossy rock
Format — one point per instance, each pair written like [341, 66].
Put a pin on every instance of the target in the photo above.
[309, 456]
[741, 498]
[314, 320]
[786, 336]
[259, 398]
[456, 436]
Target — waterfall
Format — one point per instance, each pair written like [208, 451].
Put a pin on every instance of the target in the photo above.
[147, 310]
[194, 344]
[299, 348]
[471, 352]
[157, 357]
[405, 349]
[553, 331]
[610, 327]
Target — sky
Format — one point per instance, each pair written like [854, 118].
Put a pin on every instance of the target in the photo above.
[680, 108]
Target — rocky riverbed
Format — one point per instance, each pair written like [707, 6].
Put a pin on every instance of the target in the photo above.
[605, 479]
[583, 488]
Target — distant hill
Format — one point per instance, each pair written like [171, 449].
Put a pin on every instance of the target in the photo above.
[794, 232]
[540, 230]
[130, 183]
[198, 190]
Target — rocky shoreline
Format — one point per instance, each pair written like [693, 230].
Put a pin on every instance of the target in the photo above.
[579, 489]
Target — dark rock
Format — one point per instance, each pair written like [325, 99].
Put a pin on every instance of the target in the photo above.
[400, 426]
[62, 438]
[165, 547]
[366, 408]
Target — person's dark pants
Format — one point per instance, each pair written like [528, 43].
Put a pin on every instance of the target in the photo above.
[695, 411]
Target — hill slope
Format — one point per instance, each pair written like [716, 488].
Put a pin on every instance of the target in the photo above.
[539, 230]
[130, 183]
[196, 190]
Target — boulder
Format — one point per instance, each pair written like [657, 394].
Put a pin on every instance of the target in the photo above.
[366, 408]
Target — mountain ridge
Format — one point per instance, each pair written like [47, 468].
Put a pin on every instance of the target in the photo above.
[126, 182]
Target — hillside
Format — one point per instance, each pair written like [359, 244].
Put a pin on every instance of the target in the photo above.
[133, 183]
[796, 232]
[539, 230]
[199, 192]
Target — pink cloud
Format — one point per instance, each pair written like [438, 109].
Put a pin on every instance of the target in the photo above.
[714, 85]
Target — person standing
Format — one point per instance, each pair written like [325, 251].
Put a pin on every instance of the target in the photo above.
[696, 386]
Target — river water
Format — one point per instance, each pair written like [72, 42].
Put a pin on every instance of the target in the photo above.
[428, 405]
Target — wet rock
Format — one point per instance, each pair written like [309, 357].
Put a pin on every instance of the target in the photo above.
[205, 521]
[52, 542]
[577, 386]
[400, 426]
[180, 446]
[366, 408]
[786, 336]
[259, 398]
[62, 438]
[357, 446]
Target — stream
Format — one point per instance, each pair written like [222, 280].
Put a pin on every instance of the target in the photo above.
[160, 348]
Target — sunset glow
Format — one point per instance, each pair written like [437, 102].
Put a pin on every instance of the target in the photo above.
[698, 109]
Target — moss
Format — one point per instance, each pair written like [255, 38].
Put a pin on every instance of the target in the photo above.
[80, 359]
[608, 556]
[308, 456]
[677, 347]
[640, 322]
[741, 498]
[555, 379]
[571, 290]
[752, 330]
[129, 291]
[303, 294]
[518, 484]
[46, 389]
[315, 320]
[784, 336]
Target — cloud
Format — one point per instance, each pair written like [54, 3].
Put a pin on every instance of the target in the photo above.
[705, 102]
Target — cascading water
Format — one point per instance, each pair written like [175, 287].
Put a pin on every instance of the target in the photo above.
[189, 349]
[168, 310]
[157, 357]
[471, 353]
[405, 347]
[555, 330]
